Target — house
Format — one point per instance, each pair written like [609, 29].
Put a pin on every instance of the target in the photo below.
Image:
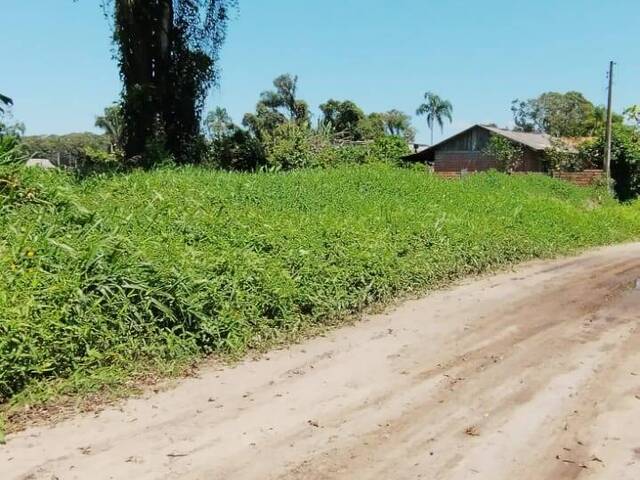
[466, 151]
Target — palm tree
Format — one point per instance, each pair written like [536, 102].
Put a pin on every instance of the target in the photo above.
[398, 124]
[436, 110]
[112, 122]
[5, 102]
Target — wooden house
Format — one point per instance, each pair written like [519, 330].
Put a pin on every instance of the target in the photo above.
[466, 151]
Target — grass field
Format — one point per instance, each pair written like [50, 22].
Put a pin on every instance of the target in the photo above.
[108, 277]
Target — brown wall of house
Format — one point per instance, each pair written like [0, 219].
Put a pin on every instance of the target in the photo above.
[448, 161]
[532, 161]
[458, 161]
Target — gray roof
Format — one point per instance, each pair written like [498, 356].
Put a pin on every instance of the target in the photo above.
[535, 141]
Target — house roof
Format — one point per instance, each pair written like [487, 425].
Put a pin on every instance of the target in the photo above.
[534, 141]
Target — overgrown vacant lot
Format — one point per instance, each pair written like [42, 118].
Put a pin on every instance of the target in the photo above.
[107, 277]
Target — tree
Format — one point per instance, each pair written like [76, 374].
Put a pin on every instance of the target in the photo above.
[232, 147]
[398, 124]
[112, 123]
[372, 126]
[633, 114]
[344, 118]
[4, 102]
[277, 107]
[167, 53]
[436, 110]
[218, 123]
[559, 114]
[285, 97]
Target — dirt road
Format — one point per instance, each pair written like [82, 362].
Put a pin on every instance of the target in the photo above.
[532, 374]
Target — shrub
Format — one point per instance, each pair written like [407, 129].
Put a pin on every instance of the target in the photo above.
[238, 150]
[389, 149]
[105, 275]
[10, 152]
[291, 146]
[560, 159]
[10, 137]
[509, 155]
[625, 159]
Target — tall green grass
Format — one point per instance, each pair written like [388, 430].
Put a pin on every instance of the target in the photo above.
[104, 276]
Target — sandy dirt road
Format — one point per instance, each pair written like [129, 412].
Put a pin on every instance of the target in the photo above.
[531, 374]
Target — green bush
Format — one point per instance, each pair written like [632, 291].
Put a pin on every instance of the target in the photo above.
[237, 151]
[150, 268]
[389, 149]
[625, 159]
[385, 149]
[292, 146]
[509, 155]
[295, 147]
[10, 151]
[559, 158]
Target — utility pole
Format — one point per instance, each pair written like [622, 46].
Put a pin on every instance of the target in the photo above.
[607, 156]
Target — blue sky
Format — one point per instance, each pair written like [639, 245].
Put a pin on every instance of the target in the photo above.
[57, 57]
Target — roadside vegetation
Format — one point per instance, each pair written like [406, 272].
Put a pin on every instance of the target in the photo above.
[177, 234]
[118, 274]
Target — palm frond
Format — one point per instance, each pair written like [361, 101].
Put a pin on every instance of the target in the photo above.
[5, 101]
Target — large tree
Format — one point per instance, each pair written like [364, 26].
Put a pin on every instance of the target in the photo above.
[167, 52]
[349, 122]
[277, 107]
[436, 110]
[218, 123]
[344, 118]
[398, 124]
[559, 114]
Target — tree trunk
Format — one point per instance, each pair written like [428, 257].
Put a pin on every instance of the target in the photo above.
[143, 30]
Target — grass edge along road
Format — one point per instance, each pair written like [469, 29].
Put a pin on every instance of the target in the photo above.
[117, 276]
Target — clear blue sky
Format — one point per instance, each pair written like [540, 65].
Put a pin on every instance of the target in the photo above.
[57, 58]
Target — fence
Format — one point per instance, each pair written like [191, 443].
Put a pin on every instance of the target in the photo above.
[583, 178]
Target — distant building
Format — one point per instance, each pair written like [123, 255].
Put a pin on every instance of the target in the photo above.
[466, 151]
[40, 162]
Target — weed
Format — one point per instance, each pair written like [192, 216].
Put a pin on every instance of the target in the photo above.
[116, 275]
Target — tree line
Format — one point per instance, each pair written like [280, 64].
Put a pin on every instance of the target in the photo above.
[168, 57]
[282, 126]
[168, 53]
